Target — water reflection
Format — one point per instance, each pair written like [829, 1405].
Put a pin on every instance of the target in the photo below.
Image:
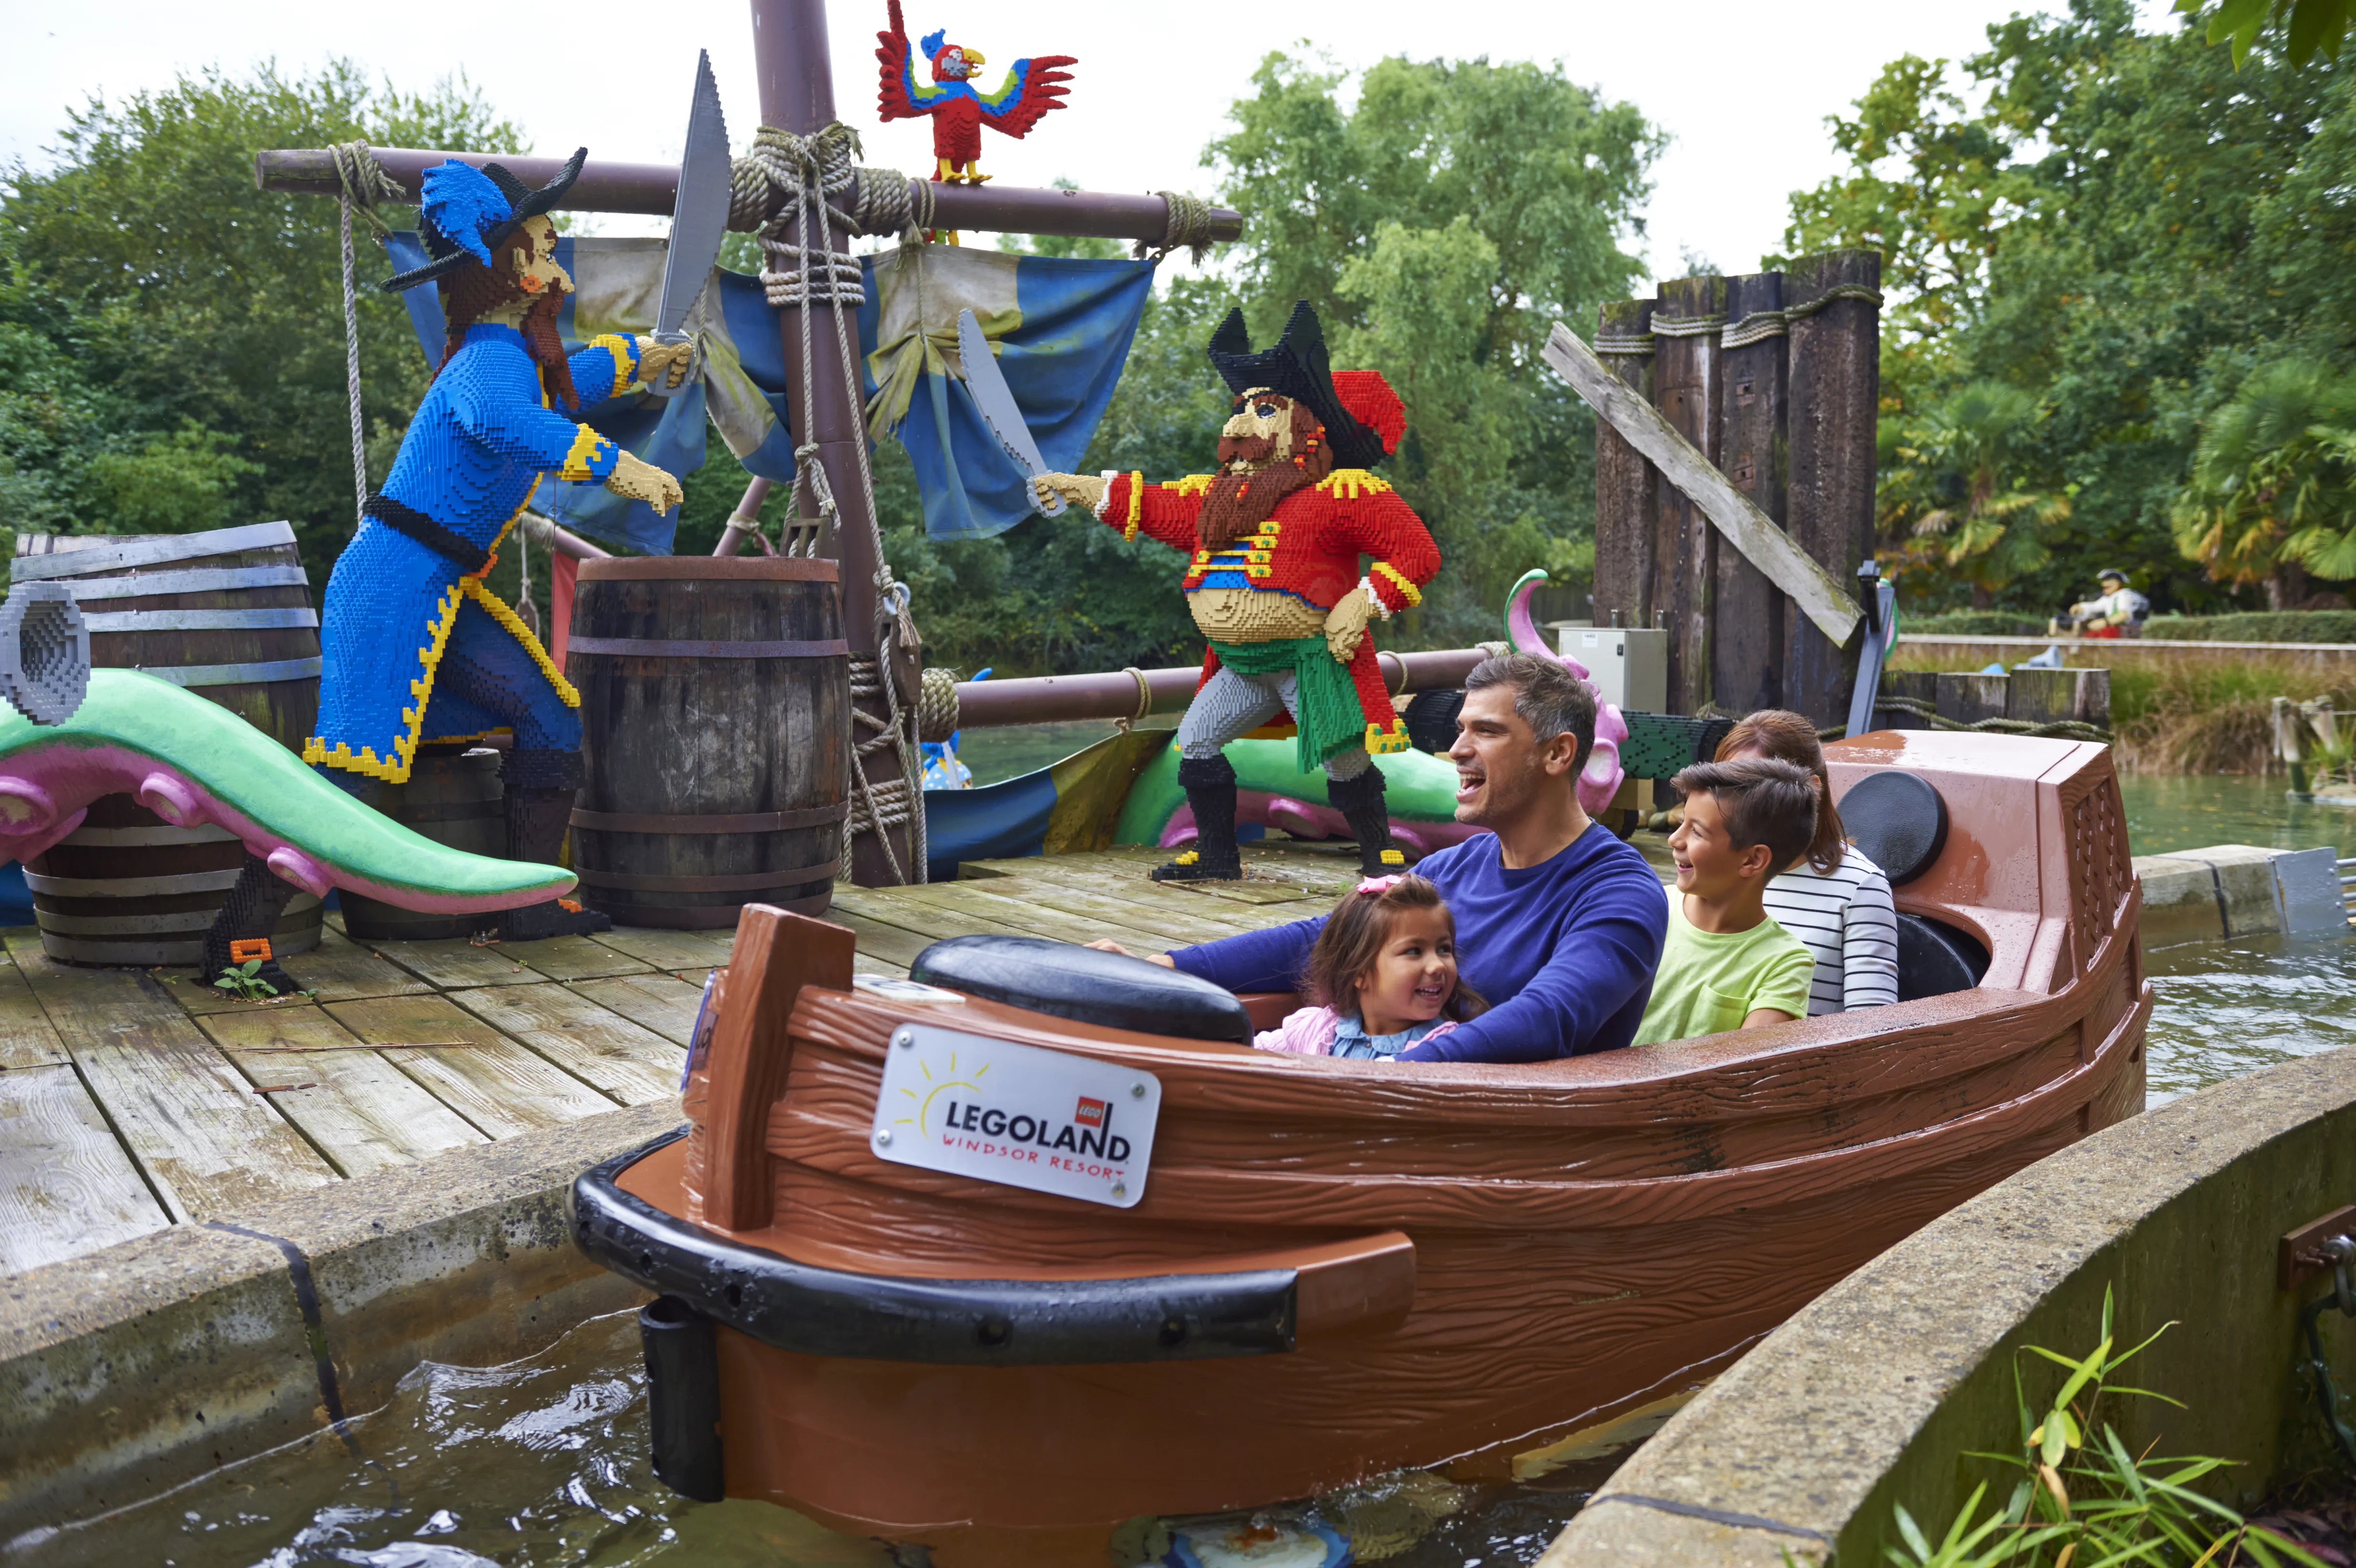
[2224, 1007]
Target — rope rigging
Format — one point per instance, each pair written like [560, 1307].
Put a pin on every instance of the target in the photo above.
[365, 182]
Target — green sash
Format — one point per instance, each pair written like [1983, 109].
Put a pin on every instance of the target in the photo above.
[1326, 702]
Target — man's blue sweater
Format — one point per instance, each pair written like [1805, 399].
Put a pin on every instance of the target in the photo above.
[1563, 950]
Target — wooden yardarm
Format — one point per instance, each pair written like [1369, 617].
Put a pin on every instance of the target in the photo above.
[1778, 386]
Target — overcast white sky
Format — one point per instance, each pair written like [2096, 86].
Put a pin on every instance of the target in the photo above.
[1743, 88]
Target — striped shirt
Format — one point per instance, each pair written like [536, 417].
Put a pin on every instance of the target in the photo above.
[1846, 920]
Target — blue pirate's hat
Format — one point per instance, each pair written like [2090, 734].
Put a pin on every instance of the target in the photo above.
[467, 213]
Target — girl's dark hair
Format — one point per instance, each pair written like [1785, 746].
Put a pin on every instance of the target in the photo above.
[1790, 738]
[1354, 938]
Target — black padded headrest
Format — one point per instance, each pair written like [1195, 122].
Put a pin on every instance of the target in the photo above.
[1083, 984]
[1934, 958]
[1898, 820]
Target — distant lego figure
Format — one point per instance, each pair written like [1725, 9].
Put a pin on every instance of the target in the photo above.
[2118, 612]
[957, 110]
[417, 648]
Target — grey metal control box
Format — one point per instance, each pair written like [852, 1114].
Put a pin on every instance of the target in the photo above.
[1630, 664]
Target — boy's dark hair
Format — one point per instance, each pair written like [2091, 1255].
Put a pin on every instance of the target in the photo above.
[1791, 737]
[1353, 939]
[1764, 801]
[1549, 698]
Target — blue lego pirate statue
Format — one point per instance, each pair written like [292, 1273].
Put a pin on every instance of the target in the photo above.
[417, 648]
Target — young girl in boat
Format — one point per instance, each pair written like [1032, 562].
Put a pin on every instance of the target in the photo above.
[1381, 978]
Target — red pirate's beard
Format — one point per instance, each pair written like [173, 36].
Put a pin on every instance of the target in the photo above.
[473, 291]
[1237, 503]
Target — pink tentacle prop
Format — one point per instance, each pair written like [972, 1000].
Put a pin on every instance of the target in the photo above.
[1600, 780]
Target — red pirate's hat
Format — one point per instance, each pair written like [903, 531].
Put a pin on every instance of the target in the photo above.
[1363, 416]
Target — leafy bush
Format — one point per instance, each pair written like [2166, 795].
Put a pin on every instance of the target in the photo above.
[2258, 626]
[1971, 624]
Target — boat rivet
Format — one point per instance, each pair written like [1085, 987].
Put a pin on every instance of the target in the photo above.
[1121, 1190]
[1136, 1090]
[903, 1038]
[882, 1135]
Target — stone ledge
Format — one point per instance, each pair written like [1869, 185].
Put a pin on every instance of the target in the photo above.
[1870, 1396]
[2240, 890]
[133, 1369]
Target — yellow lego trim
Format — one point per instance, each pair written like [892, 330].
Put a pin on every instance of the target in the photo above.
[1392, 857]
[1399, 578]
[1136, 505]
[624, 351]
[1380, 740]
[1349, 483]
[586, 446]
[1193, 485]
[513, 625]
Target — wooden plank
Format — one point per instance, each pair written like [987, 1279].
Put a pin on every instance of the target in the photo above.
[67, 1186]
[451, 964]
[880, 940]
[1746, 648]
[1836, 401]
[577, 958]
[361, 1111]
[1178, 923]
[206, 1142]
[1685, 562]
[671, 950]
[27, 1038]
[1968, 699]
[500, 1087]
[1821, 596]
[2050, 696]
[631, 1063]
[861, 964]
[1625, 484]
[990, 915]
[663, 1003]
[338, 970]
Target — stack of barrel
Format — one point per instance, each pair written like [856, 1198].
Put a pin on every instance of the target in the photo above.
[715, 708]
[228, 616]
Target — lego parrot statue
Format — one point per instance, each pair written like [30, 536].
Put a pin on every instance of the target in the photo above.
[959, 113]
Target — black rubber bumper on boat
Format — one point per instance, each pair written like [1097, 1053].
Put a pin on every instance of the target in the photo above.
[884, 1317]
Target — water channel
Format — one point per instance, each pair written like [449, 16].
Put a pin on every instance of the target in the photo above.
[543, 1463]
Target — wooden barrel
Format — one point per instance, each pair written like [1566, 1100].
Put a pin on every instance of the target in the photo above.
[228, 616]
[452, 797]
[715, 710]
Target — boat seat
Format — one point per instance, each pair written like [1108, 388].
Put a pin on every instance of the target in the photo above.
[1085, 986]
[1898, 820]
[1934, 958]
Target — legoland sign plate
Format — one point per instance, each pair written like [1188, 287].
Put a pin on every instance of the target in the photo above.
[1015, 1115]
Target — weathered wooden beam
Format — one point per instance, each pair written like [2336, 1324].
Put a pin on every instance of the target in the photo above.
[1625, 482]
[1746, 651]
[608, 186]
[1836, 390]
[1685, 558]
[1820, 596]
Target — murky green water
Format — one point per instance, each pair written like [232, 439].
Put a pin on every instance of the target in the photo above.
[543, 1463]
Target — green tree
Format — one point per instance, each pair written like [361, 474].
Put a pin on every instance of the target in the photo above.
[175, 335]
[1987, 529]
[2272, 493]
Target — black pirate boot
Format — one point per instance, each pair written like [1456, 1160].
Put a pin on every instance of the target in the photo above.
[241, 932]
[540, 786]
[1360, 802]
[1210, 785]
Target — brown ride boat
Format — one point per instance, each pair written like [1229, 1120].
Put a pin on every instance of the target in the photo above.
[1229, 1277]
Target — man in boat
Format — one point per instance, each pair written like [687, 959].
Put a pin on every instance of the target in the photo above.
[1275, 538]
[1558, 923]
[417, 648]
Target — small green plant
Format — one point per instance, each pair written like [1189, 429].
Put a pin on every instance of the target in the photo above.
[2085, 1501]
[244, 982]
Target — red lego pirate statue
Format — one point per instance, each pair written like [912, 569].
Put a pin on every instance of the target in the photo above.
[1275, 538]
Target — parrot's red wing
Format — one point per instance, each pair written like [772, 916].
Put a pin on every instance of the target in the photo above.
[1032, 88]
[902, 96]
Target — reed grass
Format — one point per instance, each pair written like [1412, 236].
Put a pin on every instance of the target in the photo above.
[2189, 716]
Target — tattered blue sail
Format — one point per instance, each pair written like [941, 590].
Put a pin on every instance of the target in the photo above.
[1064, 327]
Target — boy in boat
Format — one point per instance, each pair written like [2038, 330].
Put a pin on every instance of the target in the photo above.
[1560, 922]
[1727, 965]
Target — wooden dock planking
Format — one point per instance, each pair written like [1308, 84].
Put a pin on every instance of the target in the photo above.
[924, 908]
[342, 970]
[360, 1112]
[879, 940]
[625, 1060]
[27, 1038]
[664, 1003]
[676, 951]
[576, 958]
[451, 964]
[498, 1086]
[207, 1143]
[67, 1186]
[1181, 923]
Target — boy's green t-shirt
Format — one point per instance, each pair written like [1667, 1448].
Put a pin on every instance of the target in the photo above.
[1710, 982]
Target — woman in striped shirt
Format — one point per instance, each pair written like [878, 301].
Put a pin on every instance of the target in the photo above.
[1835, 900]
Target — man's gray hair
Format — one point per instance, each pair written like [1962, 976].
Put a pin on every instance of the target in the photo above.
[1549, 698]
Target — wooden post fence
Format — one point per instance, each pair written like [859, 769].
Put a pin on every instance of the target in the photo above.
[1775, 378]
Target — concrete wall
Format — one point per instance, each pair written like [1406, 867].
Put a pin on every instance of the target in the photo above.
[2240, 890]
[137, 1368]
[1873, 1395]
